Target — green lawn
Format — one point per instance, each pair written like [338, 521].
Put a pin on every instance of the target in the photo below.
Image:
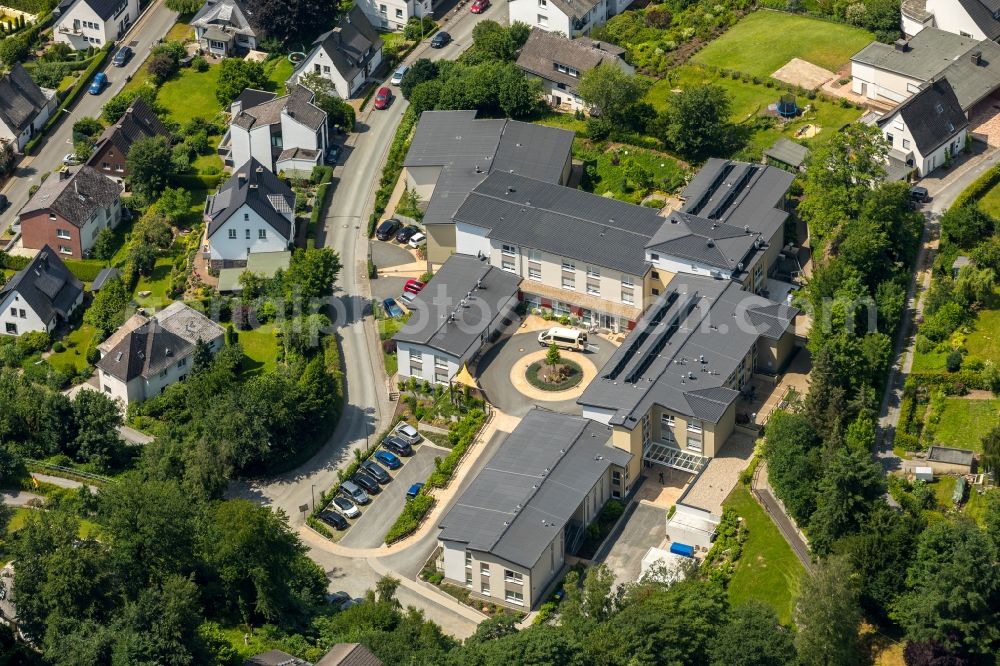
[932, 361]
[748, 100]
[990, 203]
[20, 517]
[768, 570]
[566, 121]
[213, 159]
[964, 422]
[260, 349]
[764, 41]
[180, 32]
[191, 94]
[666, 173]
[157, 284]
[77, 343]
[278, 70]
[984, 342]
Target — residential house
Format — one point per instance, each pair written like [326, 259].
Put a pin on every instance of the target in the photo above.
[148, 354]
[112, 147]
[452, 152]
[348, 55]
[40, 296]
[275, 658]
[669, 392]
[394, 14]
[223, 29]
[890, 74]
[572, 18]
[286, 133]
[559, 63]
[253, 211]
[349, 654]
[86, 23]
[979, 19]
[926, 130]
[69, 210]
[24, 107]
[507, 538]
[467, 303]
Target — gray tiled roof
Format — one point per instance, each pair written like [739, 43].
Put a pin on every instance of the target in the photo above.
[946, 454]
[983, 13]
[928, 52]
[351, 45]
[145, 351]
[138, 122]
[20, 99]
[972, 81]
[705, 241]
[103, 8]
[275, 658]
[575, 8]
[431, 323]
[227, 14]
[46, 285]
[297, 104]
[256, 186]
[104, 276]
[530, 489]
[349, 654]
[933, 116]
[562, 220]
[544, 49]
[787, 152]
[683, 350]
[74, 194]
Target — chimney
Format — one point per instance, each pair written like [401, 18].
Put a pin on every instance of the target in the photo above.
[242, 178]
[976, 57]
[260, 169]
[902, 45]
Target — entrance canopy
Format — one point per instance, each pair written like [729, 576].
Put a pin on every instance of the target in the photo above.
[663, 454]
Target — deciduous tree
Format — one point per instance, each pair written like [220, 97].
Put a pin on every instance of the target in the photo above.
[828, 615]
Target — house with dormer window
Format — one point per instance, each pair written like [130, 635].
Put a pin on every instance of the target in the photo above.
[348, 55]
[86, 23]
[39, 297]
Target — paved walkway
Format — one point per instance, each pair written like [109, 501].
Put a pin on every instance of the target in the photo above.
[20, 498]
[776, 510]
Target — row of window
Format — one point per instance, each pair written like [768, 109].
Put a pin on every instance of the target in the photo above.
[261, 234]
[91, 25]
[440, 366]
[16, 312]
[382, 11]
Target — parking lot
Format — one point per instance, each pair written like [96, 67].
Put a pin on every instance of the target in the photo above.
[646, 528]
[368, 530]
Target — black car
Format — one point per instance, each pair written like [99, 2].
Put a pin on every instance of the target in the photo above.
[918, 194]
[374, 470]
[398, 446]
[440, 40]
[366, 482]
[333, 519]
[4, 202]
[123, 56]
[332, 154]
[388, 229]
[404, 234]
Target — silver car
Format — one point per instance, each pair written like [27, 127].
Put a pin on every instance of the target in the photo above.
[397, 76]
[346, 506]
[408, 433]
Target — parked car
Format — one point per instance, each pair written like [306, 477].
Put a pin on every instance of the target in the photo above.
[397, 446]
[918, 194]
[407, 297]
[374, 470]
[390, 460]
[392, 309]
[414, 490]
[397, 76]
[332, 154]
[406, 233]
[4, 202]
[354, 492]
[383, 98]
[97, 85]
[388, 229]
[346, 506]
[124, 54]
[365, 480]
[408, 433]
[334, 520]
[440, 40]
[479, 6]
[416, 240]
[414, 286]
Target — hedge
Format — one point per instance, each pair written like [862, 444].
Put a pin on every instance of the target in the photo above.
[958, 383]
[409, 519]
[393, 167]
[197, 181]
[70, 99]
[13, 261]
[979, 187]
[460, 435]
[323, 176]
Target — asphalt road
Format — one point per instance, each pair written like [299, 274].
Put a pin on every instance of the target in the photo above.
[150, 28]
[366, 408]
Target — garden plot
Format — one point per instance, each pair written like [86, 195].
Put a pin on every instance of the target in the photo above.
[803, 74]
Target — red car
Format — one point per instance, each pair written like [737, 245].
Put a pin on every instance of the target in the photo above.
[480, 6]
[382, 98]
[413, 286]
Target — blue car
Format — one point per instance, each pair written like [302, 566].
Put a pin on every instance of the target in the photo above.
[392, 309]
[97, 85]
[414, 490]
[390, 460]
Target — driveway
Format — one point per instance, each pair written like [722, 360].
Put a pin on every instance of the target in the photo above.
[646, 528]
[495, 367]
[368, 531]
[386, 254]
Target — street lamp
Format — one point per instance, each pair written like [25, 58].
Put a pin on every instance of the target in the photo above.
[313, 497]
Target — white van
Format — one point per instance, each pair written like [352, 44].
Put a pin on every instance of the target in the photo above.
[564, 338]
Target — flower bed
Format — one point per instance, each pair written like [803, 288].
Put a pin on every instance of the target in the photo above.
[572, 375]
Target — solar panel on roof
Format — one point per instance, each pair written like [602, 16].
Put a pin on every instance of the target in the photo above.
[734, 192]
[661, 342]
[716, 182]
[640, 338]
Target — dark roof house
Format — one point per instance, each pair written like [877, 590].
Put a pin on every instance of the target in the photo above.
[47, 286]
[258, 188]
[297, 104]
[275, 658]
[144, 352]
[559, 59]
[985, 14]
[74, 194]
[349, 654]
[351, 45]
[138, 122]
[21, 100]
[933, 116]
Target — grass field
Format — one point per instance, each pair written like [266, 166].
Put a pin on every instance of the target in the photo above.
[749, 99]
[191, 94]
[768, 570]
[990, 203]
[260, 349]
[964, 422]
[932, 361]
[764, 41]
[666, 173]
[278, 70]
[984, 342]
[156, 283]
[77, 343]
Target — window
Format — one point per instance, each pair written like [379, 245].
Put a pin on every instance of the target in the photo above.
[645, 431]
[105, 166]
[181, 363]
[247, 234]
[616, 476]
[543, 20]
[11, 329]
[22, 314]
[13, 312]
[326, 69]
[694, 426]
[575, 73]
[543, 3]
[666, 420]
[514, 597]
[508, 265]
[534, 273]
[218, 46]
[468, 559]
[468, 579]
[628, 281]
[534, 255]
[262, 234]
[119, 168]
[513, 576]
[246, 217]
[655, 291]
[889, 138]
[694, 443]
[568, 265]
[232, 234]
[65, 250]
[163, 373]
[568, 282]
[508, 250]
[484, 569]
[399, 13]
[381, 10]
[561, 68]
[485, 588]
[62, 233]
[593, 271]
[593, 288]
[628, 296]
[52, 216]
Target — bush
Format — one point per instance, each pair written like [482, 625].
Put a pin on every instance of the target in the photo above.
[954, 361]
[409, 520]
[199, 64]
[58, 347]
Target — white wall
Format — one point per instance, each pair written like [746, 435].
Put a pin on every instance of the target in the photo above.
[423, 179]
[105, 218]
[910, 26]
[30, 322]
[531, 11]
[119, 390]
[428, 355]
[296, 135]
[470, 239]
[346, 89]
[950, 16]
[393, 14]
[598, 414]
[454, 560]
[902, 140]
[67, 31]
[878, 83]
[225, 248]
[239, 143]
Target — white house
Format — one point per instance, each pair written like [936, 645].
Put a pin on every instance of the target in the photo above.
[393, 14]
[559, 62]
[146, 355]
[348, 55]
[979, 19]
[572, 18]
[24, 107]
[456, 314]
[87, 23]
[40, 296]
[253, 211]
[285, 133]
[222, 28]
